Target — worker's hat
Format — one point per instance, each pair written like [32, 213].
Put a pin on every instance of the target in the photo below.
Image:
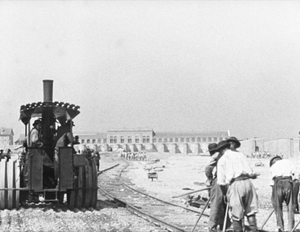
[223, 144]
[212, 148]
[235, 140]
[36, 122]
[273, 159]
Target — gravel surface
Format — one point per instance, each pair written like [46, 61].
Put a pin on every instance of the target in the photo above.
[177, 174]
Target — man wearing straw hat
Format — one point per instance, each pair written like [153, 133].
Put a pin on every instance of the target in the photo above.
[35, 133]
[234, 143]
[217, 204]
[233, 176]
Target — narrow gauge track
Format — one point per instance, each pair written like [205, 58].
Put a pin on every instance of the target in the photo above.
[166, 215]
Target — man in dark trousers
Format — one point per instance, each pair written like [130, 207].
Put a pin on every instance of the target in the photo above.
[217, 204]
[282, 172]
[296, 185]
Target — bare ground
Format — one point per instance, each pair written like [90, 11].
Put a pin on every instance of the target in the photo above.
[180, 172]
[177, 175]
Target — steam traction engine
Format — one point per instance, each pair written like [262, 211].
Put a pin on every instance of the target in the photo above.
[33, 177]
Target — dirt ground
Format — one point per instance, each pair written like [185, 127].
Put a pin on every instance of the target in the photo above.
[177, 174]
[180, 174]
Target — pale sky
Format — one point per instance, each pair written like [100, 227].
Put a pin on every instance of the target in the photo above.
[166, 65]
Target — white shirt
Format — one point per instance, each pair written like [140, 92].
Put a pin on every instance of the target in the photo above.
[282, 168]
[34, 136]
[231, 165]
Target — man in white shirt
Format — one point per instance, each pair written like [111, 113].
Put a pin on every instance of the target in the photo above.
[35, 134]
[234, 174]
[234, 143]
[282, 173]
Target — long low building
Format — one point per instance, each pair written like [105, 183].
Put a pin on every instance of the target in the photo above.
[173, 142]
[148, 140]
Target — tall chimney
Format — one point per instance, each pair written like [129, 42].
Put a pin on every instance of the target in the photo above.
[48, 90]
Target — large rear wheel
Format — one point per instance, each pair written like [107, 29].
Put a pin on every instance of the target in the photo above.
[9, 183]
[85, 189]
[88, 185]
[17, 183]
[3, 193]
[94, 183]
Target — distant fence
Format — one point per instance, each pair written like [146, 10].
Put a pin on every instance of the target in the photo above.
[288, 148]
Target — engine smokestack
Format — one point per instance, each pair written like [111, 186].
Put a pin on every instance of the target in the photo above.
[48, 90]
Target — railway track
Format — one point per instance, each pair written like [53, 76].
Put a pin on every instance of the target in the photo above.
[168, 216]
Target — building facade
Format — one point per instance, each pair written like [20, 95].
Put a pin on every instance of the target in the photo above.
[147, 140]
[6, 136]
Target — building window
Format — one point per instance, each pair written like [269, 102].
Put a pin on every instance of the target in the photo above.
[88, 141]
[137, 139]
[215, 139]
[104, 140]
[154, 140]
[204, 139]
[111, 139]
[198, 139]
[165, 140]
[129, 139]
[176, 139]
[94, 141]
[209, 139]
[159, 140]
[144, 139]
[99, 140]
[148, 139]
[82, 141]
[187, 140]
[181, 139]
[122, 139]
[193, 139]
[171, 139]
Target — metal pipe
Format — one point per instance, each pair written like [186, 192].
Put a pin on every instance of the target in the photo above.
[295, 227]
[267, 219]
[207, 203]
[196, 191]
[225, 219]
[48, 90]
[107, 169]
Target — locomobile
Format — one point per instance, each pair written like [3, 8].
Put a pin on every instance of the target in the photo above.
[47, 172]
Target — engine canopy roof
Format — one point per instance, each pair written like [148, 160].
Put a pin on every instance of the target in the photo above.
[61, 111]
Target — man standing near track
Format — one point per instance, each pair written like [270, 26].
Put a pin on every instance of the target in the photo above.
[234, 143]
[282, 172]
[217, 204]
[233, 176]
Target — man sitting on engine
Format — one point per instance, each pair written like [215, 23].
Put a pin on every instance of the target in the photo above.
[35, 134]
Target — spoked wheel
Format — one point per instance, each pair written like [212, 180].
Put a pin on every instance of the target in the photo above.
[80, 185]
[85, 189]
[94, 183]
[3, 193]
[9, 180]
[88, 185]
[79, 196]
[72, 194]
[17, 183]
